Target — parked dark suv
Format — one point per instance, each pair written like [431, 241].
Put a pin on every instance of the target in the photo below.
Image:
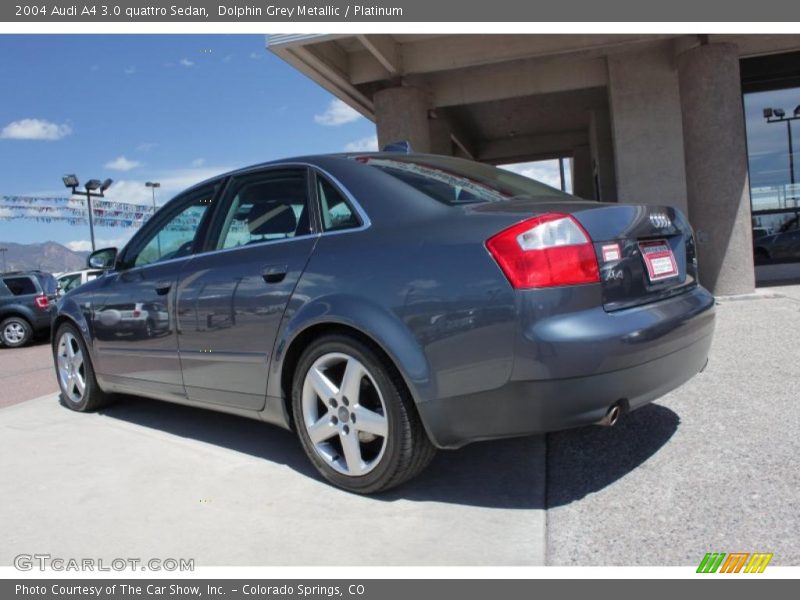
[26, 302]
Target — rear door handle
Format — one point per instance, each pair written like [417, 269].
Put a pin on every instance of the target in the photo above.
[162, 287]
[275, 273]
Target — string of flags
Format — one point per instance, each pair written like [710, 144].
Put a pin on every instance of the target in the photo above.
[72, 211]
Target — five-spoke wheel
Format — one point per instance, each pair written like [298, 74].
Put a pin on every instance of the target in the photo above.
[355, 417]
[71, 368]
[344, 414]
[79, 389]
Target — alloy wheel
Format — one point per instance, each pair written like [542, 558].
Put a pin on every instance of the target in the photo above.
[71, 367]
[344, 414]
[14, 333]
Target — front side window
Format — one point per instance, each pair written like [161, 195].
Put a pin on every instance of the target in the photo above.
[175, 238]
[336, 212]
[267, 208]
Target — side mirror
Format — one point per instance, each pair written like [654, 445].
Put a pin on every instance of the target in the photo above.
[104, 258]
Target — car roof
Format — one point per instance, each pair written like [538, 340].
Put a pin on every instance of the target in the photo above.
[309, 159]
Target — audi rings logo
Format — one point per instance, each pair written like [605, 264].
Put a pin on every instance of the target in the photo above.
[660, 220]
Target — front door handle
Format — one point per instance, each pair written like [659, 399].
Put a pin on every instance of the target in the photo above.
[275, 273]
[163, 287]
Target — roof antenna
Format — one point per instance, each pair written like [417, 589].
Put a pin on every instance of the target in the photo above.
[403, 147]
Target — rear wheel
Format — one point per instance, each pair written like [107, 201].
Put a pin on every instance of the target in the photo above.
[79, 389]
[15, 332]
[355, 418]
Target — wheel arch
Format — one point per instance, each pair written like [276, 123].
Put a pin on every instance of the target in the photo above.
[69, 312]
[382, 332]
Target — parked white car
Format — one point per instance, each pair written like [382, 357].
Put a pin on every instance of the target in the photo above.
[69, 281]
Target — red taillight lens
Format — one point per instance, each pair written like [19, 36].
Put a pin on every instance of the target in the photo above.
[41, 302]
[545, 251]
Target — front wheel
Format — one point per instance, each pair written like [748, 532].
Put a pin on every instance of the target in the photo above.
[79, 389]
[355, 418]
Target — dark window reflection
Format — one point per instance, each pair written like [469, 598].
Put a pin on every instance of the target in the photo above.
[774, 173]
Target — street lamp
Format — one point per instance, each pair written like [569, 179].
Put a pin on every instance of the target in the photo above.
[153, 185]
[94, 188]
[4, 250]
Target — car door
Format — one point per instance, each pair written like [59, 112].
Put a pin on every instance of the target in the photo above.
[134, 318]
[231, 299]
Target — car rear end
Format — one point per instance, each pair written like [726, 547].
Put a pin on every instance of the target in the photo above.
[610, 314]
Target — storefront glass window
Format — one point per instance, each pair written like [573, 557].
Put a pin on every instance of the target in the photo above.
[773, 127]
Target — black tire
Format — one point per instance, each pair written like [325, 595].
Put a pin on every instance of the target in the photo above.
[93, 397]
[407, 451]
[18, 324]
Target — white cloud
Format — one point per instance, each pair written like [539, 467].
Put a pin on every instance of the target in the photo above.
[227, 58]
[122, 164]
[198, 162]
[86, 245]
[185, 62]
[35, 129]
[172, 182]
[129, 70]
[545, 171]
[337, 113]
[256, 55]
[146, 146]
[366, 144]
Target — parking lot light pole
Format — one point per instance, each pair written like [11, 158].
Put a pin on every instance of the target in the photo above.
[153, 185]
[90, 191]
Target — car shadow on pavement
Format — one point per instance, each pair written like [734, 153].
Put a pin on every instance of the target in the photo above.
[506, 474]
[584, 461]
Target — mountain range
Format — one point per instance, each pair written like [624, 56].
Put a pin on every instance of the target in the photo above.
[48, 256]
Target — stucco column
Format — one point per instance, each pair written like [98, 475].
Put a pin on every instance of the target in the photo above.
[441, 142]
[401, 113]
[715, 151]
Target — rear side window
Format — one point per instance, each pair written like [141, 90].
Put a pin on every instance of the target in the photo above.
[267, 208]
[457, 181]
[20, 286]
[336, 212]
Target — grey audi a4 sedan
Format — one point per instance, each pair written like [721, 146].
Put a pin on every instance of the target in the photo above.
[384, 305]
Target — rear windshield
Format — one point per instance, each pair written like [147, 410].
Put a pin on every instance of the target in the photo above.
[20, 286]
[458, 181]
[48, 283]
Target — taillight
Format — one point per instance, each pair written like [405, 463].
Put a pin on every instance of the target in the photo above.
[545, 251]
[41, 302]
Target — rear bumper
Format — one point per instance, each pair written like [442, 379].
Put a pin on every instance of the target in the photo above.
[530, 405]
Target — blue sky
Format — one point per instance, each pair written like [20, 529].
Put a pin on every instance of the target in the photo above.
[181, 108]
[174, 109]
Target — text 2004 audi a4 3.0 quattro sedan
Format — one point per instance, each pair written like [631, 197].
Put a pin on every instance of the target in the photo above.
[384, 305]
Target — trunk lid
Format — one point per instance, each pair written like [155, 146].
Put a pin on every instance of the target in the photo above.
[644, 253]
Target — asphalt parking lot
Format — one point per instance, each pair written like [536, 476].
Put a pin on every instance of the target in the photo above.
[710, 467]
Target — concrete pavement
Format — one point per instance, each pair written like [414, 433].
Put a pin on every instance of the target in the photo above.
[148, 479]
[710, 467]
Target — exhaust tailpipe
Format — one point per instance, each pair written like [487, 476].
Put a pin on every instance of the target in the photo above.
[612, 416]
